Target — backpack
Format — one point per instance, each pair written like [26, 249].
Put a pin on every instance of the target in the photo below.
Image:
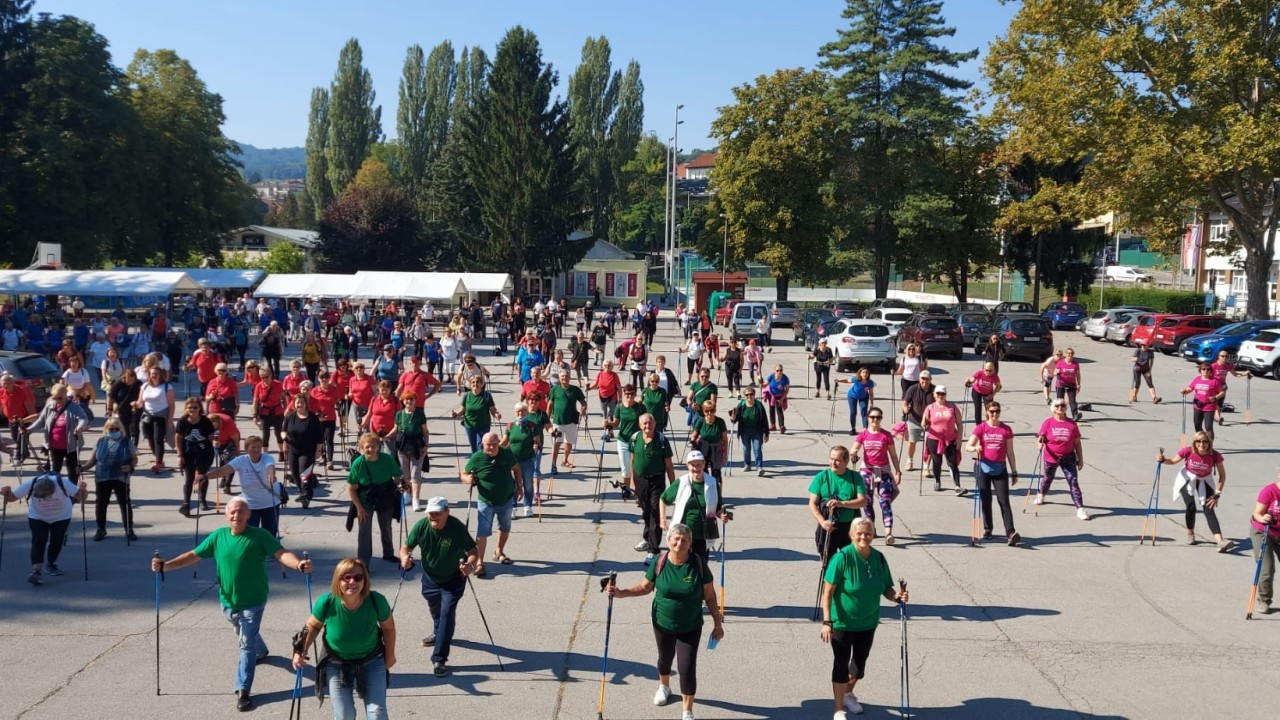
[44, 485]
[662, 562]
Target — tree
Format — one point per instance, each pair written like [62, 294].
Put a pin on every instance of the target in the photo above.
[895, 103]
[441, 82]
[471, 80]
[1172, 103]
[355, 123]
[373, 174]
[318, 190]
[593, 99]
[627, 129]
[518, 154]
[283, 258]
[371, 228]
[779, 146]
[16, 68]
[411, 119]
[191, 184]
[637, 222]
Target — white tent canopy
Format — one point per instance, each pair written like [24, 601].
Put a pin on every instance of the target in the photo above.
[407, 286]
[210, 278]
[488, 283]
[96, 283]
[307, 285]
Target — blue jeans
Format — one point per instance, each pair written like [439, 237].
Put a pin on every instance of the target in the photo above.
[485, 514]
[247, 622]
[442, 601]
[752, 449]
[474, 435]
[526, 477]
[375, 692]
[858, 406]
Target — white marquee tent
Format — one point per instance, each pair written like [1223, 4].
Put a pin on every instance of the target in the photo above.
[210, 278]
[96, 283]
[307, 285]
[408, 286]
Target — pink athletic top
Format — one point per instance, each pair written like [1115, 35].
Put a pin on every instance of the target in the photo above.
[1060, 438]
[1068, 372]
[985, 384]
[1270, 499]
[1206, 392]
[1197, 464]
[875, 447]
[994, 441]
[1221, 370]
[940, 422]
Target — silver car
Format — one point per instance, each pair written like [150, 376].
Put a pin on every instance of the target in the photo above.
[892, 317]
[784, 313]
[1120, 331]
[857, 341]
[1097, 324]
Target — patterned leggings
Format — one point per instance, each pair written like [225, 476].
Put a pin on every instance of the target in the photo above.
[1068, 466]
[887, 492]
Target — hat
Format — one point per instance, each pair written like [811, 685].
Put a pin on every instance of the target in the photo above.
[695, 455]
[437, 504]
[926, 374]
[939, 389]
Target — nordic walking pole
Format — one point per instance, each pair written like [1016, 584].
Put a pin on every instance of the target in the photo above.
[724, 537]
[1257, 573]
[975, 536]
[1152, 502]
[826, 555]
[4, 516]
[195, 572]
[808, 390]
[1027, 499]
[904, 701]
[604, 662]
[159, 578]
[1248, 399]
[1184, 421]
[84, 539]
[471, 586]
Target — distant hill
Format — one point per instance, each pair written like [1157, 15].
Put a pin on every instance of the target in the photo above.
[273, 163]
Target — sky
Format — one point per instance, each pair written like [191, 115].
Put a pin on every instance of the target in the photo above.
[264, 58]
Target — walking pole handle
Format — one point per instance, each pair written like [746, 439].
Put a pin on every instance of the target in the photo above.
[156, 556]
[902, 587]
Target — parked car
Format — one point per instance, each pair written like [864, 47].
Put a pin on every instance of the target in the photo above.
[860, 342]
[935, 309]
[894, 317]
[935, 333]
[1147, 327]
[745, 316]
[969, 307]
[808, 319]
[820, 330]
[1123, 273]
[1260, 354]
[784, 313]
[1139, 308]
[890, 303]
[1170, 333]
[725, 311]
[1013, 308]
[1021, 337]
[972, 325]
[1062, 315]
[1205, 348]
[1120, 331]
[34, 370]
[1096, 325]
[845, 308]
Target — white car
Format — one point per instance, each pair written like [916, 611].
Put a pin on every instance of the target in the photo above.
[894, 318]
[861, 341]
[1122, 273]
[1097, 324]
[1261, 354]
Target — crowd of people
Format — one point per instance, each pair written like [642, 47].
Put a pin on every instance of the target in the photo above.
[351, 407]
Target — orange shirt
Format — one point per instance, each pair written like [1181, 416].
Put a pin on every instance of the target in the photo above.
[415, 382]
[292, 382]
[542, 387]
[270, 397]
[228, 433]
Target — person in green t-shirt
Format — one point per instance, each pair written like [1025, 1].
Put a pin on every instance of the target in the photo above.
[752, 420]
[695, 501]
[354, 618]
[700, 391]
[496, 475]
[411, 440]
[624, 424]
[683, 583]
[449, 554]
[656, 401]
[710, 436]
[372, 485]
[476, 411]
[855, 580]
[652, 470]
[524, 436]
[567, 405]
[240, 553]
[836, 496]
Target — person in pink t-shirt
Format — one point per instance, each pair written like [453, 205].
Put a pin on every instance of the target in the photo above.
[1207, 392]
[984, 384]
[1194, 487]
[1067, 381]
[941, 423]
[992, 444]
[1060, 447]
[1222, 369]
[875, 446]
[1265, 533]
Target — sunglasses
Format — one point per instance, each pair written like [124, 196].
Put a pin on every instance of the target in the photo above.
[875, 417]
[352, 578]
[993, 412]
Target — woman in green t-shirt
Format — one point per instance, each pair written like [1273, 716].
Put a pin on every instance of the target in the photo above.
[682, 582]
[372, 486]
[752, 420]
[476, 411]
[412, 438]
[857, 577]
[710, 436]
[360, 634]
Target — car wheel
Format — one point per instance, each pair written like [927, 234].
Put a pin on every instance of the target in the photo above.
[1275, 370]
[957, 355]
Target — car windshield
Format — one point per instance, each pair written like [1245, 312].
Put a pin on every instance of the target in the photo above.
[972, 318]
[1236, 329]
[1027, 327]
[938, 323]
[870, 331]
[899, 316]
[1267, 336]
[785, 304]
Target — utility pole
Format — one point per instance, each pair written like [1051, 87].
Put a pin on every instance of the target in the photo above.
[671, 199]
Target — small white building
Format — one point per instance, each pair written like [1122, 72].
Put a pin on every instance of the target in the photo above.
[255, 240]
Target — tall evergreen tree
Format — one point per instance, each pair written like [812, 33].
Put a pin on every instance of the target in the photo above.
[627, 129]
[896, 102]
[593, 100]
[471, 78]
[317, 152]
[411, 120]
[636, 223]
[355, 123]
[517, 150]
[16, 68]
[441, 83]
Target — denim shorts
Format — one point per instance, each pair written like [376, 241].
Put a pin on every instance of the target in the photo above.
[485, 513]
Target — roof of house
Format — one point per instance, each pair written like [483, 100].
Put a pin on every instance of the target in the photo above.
[309, 239]
[705, 160]
[603, 250]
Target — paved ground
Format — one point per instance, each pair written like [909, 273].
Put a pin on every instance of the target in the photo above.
[1079, 622]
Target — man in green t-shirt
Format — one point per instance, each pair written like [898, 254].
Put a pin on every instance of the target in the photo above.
[448, 556]
[836, 496]
[566, 405]
[652, 470]
[495, 472]
[240, 553]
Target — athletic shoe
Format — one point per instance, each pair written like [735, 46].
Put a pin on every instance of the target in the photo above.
[100, 535]
[1264, 608]
[1158, 400]
[687, 715]
[1014, 539]
[889, 539]
[986, 535]
[417, 507]
[184, 510]
[440, 670]
[1082, 513]
[928, 472]
[130, 536]
[649, 558]
[960, 491]
[760, 472]
[1039, 499]
[937, 486]
[910, 466]
[851, 704]
[34, 578]
[840, 715]
[51, 569]
[642, 546]
[528, 511]
[243, 703]
[748, 468]
[1226, 546]
[429, 640]
[208, 506]
[1191, 539]
[662, 696]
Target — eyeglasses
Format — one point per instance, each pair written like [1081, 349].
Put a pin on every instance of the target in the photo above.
[352, 578]
[874, 417]
[993, 412]
[1201, 442]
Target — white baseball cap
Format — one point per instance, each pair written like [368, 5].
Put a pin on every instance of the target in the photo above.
[437, 504]
[696, 455]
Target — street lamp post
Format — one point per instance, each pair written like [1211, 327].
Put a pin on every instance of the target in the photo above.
[724, 252]
[669, 206]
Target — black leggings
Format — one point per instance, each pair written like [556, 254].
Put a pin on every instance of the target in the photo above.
[683, 648]
[1068, 391]
[273, 363]
[822, 377]
[301, 460]
[58, 457]
[1000, 484]
[1210, 517]
[777, 415]
[936, 454]
[53, 534]
[733, 373]
[849, 650]
[1138, 375]
[1203, 421]
[102, 498]
[979, 405]
[270, 422]
[193, 464]
[156, 429]
[328, 427]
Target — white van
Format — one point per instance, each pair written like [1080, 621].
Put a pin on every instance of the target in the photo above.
[1124, 273]
[745, 316]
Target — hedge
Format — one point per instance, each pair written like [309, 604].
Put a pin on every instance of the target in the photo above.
[1173, 301]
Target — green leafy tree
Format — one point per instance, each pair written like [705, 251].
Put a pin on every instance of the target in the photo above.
[371, 228]
[518, 154]
[1173, 103]
[895, 102]
[441, 83]
[411, 119]
[593, 99]
[283, 258]
[625, 133]
[318, 189]
[637, 224]
[16, 69]
[780, 143]
[471, 80]
[355, 123]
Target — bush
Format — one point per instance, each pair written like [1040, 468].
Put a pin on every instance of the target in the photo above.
[1172, 301]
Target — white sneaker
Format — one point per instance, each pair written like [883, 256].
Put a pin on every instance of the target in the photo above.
[1082, 514]
[840, 715]
[528, 511]
[687, 715]
[1039, 500]
[910, 466]
[662, 696]
[851, 704]
[416, 506]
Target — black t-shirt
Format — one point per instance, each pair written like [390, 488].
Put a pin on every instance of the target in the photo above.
[196, 438]
[303, 434]
[123, 396]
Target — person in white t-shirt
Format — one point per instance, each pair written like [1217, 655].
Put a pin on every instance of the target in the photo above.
[49, 503]
[258, 485]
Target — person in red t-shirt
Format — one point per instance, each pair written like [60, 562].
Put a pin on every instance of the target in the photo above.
[268, 406]
[609, 385]
[1060, 446]
[226, 443]
[341, 379]
[1264, 531]
[381, 418]
[204, 361]
[1194, 485]
[992, 445]
[292, 382]
[16, 402]
[325, 395]
[222, 393]
[360, 390]
[536, 386]
[417, 382]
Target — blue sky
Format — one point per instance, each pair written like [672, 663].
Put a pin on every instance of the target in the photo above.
[264, 57]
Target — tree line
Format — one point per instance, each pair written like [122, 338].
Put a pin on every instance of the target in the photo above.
[125, 166]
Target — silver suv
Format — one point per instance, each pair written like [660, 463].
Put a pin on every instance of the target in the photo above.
[784, 313]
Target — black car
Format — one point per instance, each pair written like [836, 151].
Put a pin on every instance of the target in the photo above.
[845, 308]
[809, 318]
[934, 333]
[817, 331]
[1028, 337]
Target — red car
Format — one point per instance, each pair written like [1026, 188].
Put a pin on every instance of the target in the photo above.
[725, 311]
[1146, 328]
[1171, 332]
